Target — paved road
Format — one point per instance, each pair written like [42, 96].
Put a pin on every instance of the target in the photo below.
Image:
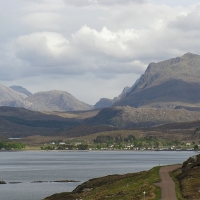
[167, 184]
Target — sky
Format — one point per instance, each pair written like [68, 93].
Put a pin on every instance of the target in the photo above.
[91, 48]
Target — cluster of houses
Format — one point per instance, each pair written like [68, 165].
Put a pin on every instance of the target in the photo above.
[189, 147]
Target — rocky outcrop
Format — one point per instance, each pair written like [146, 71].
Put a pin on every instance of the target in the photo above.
[191, 162]
[3, 182]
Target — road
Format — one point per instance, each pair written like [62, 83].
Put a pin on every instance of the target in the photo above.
[167, 184]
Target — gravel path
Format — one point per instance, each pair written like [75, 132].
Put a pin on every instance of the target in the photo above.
[167, 184]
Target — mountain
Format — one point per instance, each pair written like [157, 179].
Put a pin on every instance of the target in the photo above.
[167, 84]
[42, 101]
[104, 102]
[9, 97]
[20, 89]
[56, 101]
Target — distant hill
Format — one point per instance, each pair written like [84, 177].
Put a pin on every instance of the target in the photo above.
[20, 89]
[9, 97]
[129, 117]
[56, 101]
[105, 102]
[167, 84]
[19, 122]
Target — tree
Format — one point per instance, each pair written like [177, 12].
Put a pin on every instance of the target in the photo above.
[83, 147]
[130, 139]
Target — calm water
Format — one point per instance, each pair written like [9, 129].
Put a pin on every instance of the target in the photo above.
[26, 167]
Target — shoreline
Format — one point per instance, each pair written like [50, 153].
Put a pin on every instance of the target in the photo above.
[23, 150]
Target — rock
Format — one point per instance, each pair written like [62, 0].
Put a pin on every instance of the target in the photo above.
[191, 162]
[3, 182]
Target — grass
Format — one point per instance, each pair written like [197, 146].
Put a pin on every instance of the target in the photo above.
[173, 175]
[120, 187]
[32, 148]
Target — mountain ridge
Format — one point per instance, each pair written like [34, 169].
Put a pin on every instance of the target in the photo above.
[167, 84]
[54, 100]
[21, 89]
[130, 117]
[165, 81]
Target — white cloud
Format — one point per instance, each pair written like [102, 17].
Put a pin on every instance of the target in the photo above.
[100, 51]
[44, 50]
[44, 44]
[114, 44]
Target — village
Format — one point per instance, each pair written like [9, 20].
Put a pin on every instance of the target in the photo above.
[130, 143]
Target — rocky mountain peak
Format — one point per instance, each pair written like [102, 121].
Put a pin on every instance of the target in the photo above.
[189, 56]
[56, 100]
[173, 82]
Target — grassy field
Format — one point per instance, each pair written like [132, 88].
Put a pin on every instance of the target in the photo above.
[75, 114]
[120, 187]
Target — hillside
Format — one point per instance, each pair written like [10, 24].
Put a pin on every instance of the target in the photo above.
[27, 114]
[187, 178]
[19, 122]
[116, 187]
[129, 117]
[167, 84]
[131, 186]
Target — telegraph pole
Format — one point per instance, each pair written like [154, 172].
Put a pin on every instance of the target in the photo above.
[144, 194]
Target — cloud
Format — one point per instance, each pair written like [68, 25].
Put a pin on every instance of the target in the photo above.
[43, 49]
[41, 45]
[101, 2]
[106, 42]
[187, 21]
[42, 20]
[87, 51]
